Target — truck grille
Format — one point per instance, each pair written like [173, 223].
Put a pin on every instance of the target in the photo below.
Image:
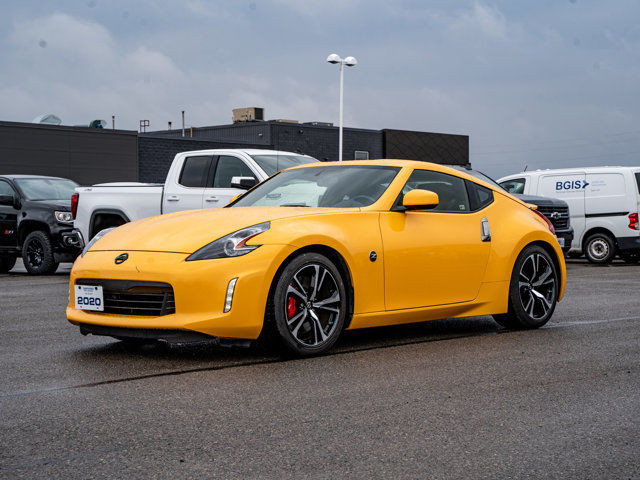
[559, 216]
[127, 297]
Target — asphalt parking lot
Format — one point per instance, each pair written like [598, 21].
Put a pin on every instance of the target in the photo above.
[445, 399]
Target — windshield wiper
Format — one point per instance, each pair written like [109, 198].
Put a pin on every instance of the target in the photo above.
[294, 205]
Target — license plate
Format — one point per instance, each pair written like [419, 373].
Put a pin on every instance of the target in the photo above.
[561, 242]
[89, 297]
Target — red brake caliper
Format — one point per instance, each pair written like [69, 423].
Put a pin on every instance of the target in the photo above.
[291, 307]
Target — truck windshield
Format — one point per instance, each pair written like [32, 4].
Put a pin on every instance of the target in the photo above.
[330, 186]
[46, 188]
[274, 163]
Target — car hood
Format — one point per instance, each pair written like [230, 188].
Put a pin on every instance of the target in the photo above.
[186, 232]
[541, 201]
[63, 205]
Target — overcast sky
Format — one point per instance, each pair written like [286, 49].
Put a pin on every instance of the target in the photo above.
[541, 83]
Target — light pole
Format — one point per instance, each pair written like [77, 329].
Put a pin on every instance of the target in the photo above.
[349, 62]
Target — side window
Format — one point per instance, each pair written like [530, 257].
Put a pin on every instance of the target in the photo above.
[194, 172]
[638, 180]
[229, 167]
[479, 196]
[451, 190]
[514, 186]
[6, 189]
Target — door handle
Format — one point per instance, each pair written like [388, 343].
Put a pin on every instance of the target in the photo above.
[212, 199]
[173, 198]
[485, 230]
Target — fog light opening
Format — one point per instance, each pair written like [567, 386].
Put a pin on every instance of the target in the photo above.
[229, 298]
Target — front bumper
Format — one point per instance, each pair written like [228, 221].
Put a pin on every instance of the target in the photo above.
[567, 236]
[199, 288]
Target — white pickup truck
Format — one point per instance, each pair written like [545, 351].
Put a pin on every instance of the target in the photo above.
[197, 179]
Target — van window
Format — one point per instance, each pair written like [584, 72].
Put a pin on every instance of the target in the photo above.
[514, 186]
[638, 180]
[194, 172]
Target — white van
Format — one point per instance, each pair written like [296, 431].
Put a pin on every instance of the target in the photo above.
[603, 204]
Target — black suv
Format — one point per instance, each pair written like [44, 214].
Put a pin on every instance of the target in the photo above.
[556, 211]
[36, 223]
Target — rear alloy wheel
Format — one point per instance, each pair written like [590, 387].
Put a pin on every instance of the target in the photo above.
[37, 254]
[599, 248]
[6, 264]
[533, 290]
[309, 305]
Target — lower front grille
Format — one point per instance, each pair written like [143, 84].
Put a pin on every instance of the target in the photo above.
[558, 216]
[127, 297]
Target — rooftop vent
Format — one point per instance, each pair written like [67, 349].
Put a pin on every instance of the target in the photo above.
[47, 119]
[249, 114]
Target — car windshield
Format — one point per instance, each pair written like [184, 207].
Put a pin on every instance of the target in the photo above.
[330, 186]
[46, 188]
[274, 163]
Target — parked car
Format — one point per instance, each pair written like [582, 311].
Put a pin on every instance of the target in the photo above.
[36, 222]
[319, 248]
[604, 204]
[196, 179]
[557, 211]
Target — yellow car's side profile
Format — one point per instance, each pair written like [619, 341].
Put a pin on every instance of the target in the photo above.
[321, 248]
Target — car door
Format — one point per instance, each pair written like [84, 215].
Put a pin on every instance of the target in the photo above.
[8, 218]
[439, 256]
[187, 191]
[219, 191]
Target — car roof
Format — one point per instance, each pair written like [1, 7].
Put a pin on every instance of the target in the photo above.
[16, 177]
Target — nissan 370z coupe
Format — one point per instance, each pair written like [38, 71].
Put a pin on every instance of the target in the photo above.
[321, 248]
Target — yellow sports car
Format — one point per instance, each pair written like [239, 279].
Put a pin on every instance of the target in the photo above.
[321, 248]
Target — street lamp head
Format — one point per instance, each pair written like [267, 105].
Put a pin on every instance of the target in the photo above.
[350, 61]
[334, 58]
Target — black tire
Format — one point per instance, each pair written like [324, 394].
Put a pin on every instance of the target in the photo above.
[599, 248]
[631, 257]
[37, 254]
[533, 290]
[306, 320]
[6, 264]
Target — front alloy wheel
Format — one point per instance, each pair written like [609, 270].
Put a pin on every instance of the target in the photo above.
[310, 304]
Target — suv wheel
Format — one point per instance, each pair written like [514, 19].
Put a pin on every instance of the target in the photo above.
[37, 254]
[599, 248]
[6, 264]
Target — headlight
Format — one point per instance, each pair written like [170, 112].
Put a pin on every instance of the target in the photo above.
[97, 237]
[64, 217]
[232, 245]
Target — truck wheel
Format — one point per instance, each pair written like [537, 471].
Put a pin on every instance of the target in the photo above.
[37, 254]
[533, 290]
[6, 264]
[599, 248]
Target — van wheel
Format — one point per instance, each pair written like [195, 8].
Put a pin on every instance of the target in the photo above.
[533, 290]
[37, 254]
[6, 264]
[599, 248]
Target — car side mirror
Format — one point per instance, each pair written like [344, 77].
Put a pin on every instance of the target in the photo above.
[244, 183]
[418, 199]
[8, 200]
